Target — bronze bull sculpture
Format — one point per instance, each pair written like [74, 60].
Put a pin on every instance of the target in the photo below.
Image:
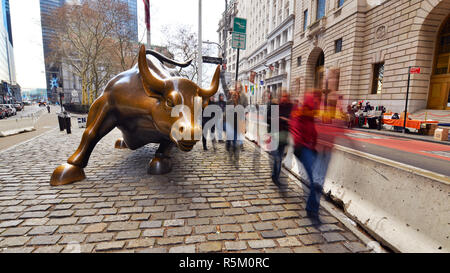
[139, 102]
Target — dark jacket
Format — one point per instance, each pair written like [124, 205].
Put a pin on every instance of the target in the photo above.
[285, 112]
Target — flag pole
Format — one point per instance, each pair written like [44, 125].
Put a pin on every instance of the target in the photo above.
[149, 27]
[199, 46]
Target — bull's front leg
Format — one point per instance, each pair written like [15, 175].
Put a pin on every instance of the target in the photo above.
[161, 163]
[100, 122]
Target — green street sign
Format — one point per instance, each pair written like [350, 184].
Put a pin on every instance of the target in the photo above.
[240, 25]
[238, 40]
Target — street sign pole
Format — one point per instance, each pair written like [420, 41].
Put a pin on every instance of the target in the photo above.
[239, 40]
[406, 104]
[237, 68]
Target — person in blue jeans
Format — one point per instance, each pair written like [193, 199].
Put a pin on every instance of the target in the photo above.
[302, 128]
[234, 127]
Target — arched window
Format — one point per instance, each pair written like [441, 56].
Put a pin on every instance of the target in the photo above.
[443, 51]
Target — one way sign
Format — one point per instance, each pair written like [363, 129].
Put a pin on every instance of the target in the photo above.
[212, 60]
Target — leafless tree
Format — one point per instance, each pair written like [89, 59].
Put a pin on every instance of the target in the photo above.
[182, 42]
[93, 38]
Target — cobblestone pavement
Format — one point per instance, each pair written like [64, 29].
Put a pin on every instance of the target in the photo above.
[207, 203]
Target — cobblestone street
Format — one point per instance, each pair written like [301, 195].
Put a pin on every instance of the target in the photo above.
[206, 204]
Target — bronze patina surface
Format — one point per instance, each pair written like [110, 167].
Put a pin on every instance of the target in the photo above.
[139, 102]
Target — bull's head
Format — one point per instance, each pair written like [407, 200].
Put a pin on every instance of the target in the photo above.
[170, 93]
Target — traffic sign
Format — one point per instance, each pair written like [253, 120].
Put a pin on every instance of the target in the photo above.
[240, 25]
[414, 70]
[238, 40]
[212, 60]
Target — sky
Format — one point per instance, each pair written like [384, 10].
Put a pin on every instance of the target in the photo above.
[183, 12]
[27, 35]
[27, 38]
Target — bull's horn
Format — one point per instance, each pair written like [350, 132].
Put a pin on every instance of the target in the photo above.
[206, 93]
[152, 85]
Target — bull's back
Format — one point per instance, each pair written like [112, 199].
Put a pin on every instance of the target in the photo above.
[131, 106]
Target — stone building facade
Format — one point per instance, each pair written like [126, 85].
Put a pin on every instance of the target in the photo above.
[362, 50]
[265, 64]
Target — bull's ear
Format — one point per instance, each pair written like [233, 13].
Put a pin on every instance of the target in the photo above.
[153, 86]
[206, 93]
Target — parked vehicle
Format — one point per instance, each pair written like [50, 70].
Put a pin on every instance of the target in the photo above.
[11, 109]
[3, 112]
[42, 104]
[18, 106]
[8, 110]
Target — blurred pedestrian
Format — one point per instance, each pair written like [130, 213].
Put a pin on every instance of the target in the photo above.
[222, 104]
[243, 100]
[212, 130]
[234, 126]
[48, 108]
[351, 111]
[242, 97]
[285, 108]
[302, 128]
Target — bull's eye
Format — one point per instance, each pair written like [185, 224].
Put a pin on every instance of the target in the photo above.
[170, 103]
[173, 99]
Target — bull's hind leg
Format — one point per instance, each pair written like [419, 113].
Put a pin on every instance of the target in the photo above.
[161, 163]
[100, 122]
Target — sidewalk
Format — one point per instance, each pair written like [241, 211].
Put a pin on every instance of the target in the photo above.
[43, 124]
[206, 204]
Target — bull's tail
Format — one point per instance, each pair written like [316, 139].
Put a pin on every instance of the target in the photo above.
[163, 58]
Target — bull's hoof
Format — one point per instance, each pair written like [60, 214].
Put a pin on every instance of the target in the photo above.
[66, 174]
[160, 165]
[120, 144]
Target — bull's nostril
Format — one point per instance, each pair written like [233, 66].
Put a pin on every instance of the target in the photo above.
[181, 129]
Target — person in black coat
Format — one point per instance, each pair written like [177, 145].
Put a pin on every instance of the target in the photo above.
[204, 121]
[222, 104]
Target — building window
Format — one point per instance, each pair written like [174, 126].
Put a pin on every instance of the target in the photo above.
[378, 74]
[299, 61]
[320, 9]
[305, 20]
[340, 3]
[338, 45]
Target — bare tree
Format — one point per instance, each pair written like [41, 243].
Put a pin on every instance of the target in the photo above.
[124, 49]
[182, 42]
[93, 38]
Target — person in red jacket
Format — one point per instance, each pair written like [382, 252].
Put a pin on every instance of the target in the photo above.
[304, 134]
